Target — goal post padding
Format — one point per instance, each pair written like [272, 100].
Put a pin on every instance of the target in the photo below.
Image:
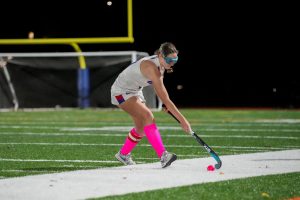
[43, 82]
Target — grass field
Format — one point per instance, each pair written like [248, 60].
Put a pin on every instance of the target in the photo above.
[42, 142]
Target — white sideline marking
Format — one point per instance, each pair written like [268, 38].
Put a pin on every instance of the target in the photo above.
[115, 128]
[141, 145]
[163, 135]
[290, 121]
[128, 128]
[83, 184]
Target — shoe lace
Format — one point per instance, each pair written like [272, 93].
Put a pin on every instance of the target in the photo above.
[164, 156]
[127, 157]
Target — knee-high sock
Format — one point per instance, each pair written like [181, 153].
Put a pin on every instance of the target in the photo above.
[131, 141]
[154, 138]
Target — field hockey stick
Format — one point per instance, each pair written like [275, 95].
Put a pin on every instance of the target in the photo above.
[200, 141]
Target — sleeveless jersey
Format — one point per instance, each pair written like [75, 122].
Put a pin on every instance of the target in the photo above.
[131, 79]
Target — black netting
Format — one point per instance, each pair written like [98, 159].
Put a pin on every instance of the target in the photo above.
[51, 82]
[101, 81]
[5, 94]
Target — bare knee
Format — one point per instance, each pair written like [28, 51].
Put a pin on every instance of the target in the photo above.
[147, 117]
[140, 113]
[143, 120]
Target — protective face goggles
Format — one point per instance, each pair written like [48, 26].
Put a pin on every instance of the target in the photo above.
[171, 60]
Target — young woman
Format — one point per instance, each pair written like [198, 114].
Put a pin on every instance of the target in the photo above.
[126, 93]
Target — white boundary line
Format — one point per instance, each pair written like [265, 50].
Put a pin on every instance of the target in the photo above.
[140, 145]
[127, 128]
[84, 184]
[163, 135]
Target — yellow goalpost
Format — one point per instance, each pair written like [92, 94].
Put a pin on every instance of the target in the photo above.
[83, 71]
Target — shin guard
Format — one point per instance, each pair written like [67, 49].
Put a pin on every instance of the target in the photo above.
[154, 139]
[131, 141]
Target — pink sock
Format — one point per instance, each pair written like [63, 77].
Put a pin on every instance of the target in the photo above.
[154, 138]
[131, 141]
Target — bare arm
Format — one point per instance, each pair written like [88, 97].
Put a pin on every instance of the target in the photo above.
[150, 71]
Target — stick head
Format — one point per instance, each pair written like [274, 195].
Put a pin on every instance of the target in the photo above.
[218, 165]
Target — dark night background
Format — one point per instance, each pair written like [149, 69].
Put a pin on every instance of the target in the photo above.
[231, 54]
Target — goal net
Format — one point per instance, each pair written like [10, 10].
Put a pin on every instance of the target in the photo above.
[48, 80]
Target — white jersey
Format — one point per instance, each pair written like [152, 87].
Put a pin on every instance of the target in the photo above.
[131, 79]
